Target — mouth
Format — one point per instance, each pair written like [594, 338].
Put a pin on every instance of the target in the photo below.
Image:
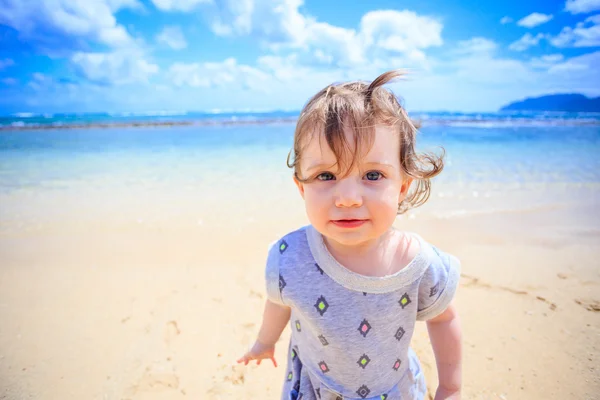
[349, 223]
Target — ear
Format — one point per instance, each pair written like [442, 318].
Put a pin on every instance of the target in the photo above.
[300, 186]
[404, 188]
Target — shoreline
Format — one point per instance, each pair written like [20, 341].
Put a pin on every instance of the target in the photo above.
[147, 124]
[477, 123]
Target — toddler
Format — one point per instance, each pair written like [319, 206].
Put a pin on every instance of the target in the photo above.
[351, 285]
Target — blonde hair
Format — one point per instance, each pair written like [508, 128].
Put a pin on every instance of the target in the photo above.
[359, 107]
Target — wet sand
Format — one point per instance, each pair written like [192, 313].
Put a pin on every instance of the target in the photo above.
[132, 294]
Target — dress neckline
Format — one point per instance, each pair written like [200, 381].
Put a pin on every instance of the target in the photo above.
[368, 284]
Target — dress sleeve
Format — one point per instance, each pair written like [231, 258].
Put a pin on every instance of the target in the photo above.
[275, 282]
[438, 284]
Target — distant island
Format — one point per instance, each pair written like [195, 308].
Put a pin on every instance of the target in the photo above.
[556, 102]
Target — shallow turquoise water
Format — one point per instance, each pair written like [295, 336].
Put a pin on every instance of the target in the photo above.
[191, 155]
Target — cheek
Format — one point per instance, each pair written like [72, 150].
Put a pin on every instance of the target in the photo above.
[387, 194]
[391, 195]
[385, 200]
[316, 201]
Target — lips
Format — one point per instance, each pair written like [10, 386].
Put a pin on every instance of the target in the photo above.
[349, 223]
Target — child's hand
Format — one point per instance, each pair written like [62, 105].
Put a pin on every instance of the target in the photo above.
[259, 352]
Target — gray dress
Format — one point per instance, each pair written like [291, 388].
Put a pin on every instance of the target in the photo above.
[351, 333]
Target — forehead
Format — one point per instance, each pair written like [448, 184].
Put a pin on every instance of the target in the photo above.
[385, 148]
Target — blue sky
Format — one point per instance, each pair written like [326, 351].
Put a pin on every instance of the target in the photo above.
[202, 55]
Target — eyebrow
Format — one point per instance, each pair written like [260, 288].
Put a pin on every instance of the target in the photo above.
[320, 166]
[379, 163]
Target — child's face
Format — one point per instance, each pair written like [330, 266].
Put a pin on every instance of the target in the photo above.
[360, 207]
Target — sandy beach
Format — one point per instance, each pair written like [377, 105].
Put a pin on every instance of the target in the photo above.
[145, 281]
[131, 297]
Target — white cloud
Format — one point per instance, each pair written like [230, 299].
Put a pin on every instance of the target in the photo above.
[40, 81]
[271, 20]
[178, 5]
[582, 6]
[534, 19]
[116, 5]
[286, 69]
[569, 67]
[7, 62]
[552, 57]
[333, 45]
[546, 61]
[69, 28]
[585, 34]
[382, 35]
[576, 75]
[211, 74]
[586, 62]
[283, 67]
[526, 41]
[400, 30]
[470, 78]
[10, 81]
[116, 68]
[61, 25]
[491, 71]
[191, 75]
[281, 26]
[173, 37]
[476, 45]
[506, 20]
[492, 80]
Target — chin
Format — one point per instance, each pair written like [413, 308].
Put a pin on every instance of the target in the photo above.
[348, 238]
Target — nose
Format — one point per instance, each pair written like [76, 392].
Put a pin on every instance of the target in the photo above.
[348, 193]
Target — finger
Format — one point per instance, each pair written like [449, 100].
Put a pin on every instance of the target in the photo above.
[274, 362]
[258, 361]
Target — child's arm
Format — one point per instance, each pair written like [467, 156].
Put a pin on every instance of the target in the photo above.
[275, 318]
[445, 335]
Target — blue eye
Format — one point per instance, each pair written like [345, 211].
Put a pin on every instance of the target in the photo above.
[326, 176]
[374, 175]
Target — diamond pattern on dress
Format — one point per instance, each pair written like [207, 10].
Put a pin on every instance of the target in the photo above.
[323, 367]
[404, 300]
[281, 283]
[363, 391]
[283, 246]
[321, 305]
[324, 341]
[399, 333]
[363, 361]
[319, 269]
[364, 327]
[434, 290]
